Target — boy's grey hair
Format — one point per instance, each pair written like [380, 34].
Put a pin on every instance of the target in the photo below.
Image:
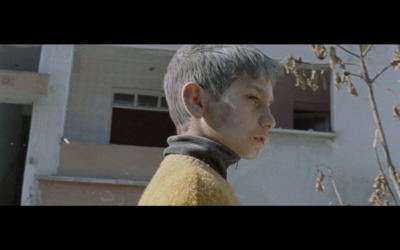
[214, 68]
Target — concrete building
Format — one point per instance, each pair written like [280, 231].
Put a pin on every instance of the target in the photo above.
[86, 125]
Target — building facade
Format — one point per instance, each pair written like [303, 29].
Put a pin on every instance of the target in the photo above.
[91, 123]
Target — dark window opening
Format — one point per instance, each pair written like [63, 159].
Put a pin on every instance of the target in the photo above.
[311, 117]
[141, 120]
[141, 127]
[295, 108]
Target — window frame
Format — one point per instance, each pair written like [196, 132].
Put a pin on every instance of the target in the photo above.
[136, 93]
[285, 78]
[311, 111]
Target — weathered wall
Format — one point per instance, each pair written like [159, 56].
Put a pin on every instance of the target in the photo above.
[284, 173]
[48, 118]
[96, 71]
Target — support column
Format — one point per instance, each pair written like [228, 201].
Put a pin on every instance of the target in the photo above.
[48, 119]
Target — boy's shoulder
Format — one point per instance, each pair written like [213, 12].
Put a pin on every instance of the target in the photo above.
[184, 180]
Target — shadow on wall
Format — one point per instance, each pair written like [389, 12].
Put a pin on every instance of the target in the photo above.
[20, 57]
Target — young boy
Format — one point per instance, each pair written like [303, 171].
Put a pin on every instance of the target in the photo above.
[219, 99]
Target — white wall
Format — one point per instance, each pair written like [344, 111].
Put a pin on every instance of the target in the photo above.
[97, 69]
[284, 173]
[48, 119]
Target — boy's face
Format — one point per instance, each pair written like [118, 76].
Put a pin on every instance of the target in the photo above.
[241, 118]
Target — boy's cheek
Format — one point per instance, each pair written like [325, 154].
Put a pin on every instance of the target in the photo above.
[219, 116]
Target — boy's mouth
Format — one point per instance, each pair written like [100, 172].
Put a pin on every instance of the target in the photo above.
[261, 139]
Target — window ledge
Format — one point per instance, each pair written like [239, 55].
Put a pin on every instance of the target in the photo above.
[93, 180]
[303, 132]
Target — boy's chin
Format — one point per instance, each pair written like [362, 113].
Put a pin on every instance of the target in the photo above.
[250, 156]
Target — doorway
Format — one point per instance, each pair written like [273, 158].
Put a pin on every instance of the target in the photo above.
[15, 123]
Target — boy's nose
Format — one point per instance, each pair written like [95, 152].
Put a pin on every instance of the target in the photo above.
[267, 120]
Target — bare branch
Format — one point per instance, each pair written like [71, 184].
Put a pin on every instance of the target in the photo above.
[335, 187]
[352, 63]
[367, 50]
[380, 73]
[380, 165]
[333, 182]
[387, 88]
[382, 137]
[364, 67]
[358, 75]
[348, 51]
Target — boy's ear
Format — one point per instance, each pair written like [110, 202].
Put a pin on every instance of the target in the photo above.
[192, 95]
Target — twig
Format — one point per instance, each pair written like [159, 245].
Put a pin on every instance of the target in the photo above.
[351, 63]
[380, 166]
[348, 51]
[387, 88]
[364, 68]
[335, 187]
[334, 184]
[367, 50]
[352, 74]
[378, 125]
[383, 70]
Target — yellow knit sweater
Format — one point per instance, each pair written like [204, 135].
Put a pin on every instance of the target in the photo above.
[183, 180]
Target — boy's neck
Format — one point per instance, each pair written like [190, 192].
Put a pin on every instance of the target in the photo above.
[212, 153]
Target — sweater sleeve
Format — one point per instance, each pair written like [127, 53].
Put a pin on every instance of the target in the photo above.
[185, 183]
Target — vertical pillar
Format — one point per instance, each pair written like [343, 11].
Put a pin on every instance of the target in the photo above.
[48, 119]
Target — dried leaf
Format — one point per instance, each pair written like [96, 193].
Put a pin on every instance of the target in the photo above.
[396, 56]
[319, 51]
[332, 55]
[396, 61]
[319, 187]
[288, 69]
[335, 60]
[314, 80]
[379, 188]
[350, 87]
[340, 62]
[324, 83]
[303, 80]
[397, 177]
[337, 81]
[375, 199]
[396, 111]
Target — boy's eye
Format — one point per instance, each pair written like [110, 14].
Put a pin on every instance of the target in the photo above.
[254, 99]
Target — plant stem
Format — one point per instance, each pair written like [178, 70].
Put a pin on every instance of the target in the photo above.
[348, 51]
[381, 168]
[335, 187]
[367, 50]
[378, 124]
[387, 88]
[383, 70]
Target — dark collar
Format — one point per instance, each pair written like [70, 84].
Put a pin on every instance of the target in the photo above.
[212, 153]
